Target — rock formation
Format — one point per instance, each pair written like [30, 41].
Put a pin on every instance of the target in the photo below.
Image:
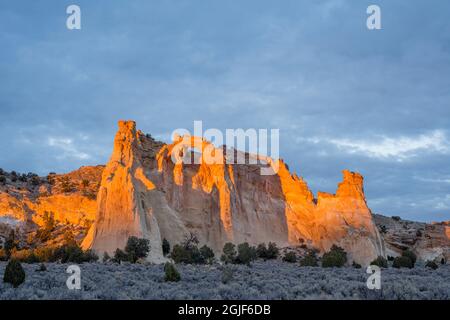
[145, 194]
[69, 198]
[427, 241]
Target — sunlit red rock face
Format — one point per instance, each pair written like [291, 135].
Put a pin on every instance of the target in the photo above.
[144, 193]
[70, 198]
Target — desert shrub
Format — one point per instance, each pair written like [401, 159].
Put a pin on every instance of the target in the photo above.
[49, 224]
[45, 254]
[171, 273]
[229, 253]
[68, 253]
[442, 261]
[190, 241]
[73, 253]
[26, 256]
[290, 257]
[188, 252]
[35, 180]
[431, 264]
[85, 183]
[390, 258]
[227, 275]
[90, 256]
[269, 252]
[383, 229]
[69, 238]
[195, 255]
[119, 256]
[411, 255]
[10, 243]
[2, 180]
[336, 257]
[403, 262]
[188, 255]
[66, 185]
[51, 179]
[180, 255]
[272, 251]
[207, 253]
[14, 273]
[261, 251]
[380, 261]
[41, 268]
[396, 218]
[310, 259]
[106, 257]
[165, 247]
[245, 254]
[356, 265]
[137, 248]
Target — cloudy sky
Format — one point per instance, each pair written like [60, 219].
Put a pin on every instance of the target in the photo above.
[377, 102]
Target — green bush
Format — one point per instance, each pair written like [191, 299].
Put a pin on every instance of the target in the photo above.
[336, 257]
[25, 256]
[73, 253]
[106, 257]
[229, 253]
[171, 273]
[267, 253]
[431, 264]
[310, 259]
[188, 255]
[261, 251]
[165, 247]
[45, 254]
[180, 255]
[272, 251]
[119, 256]
[10, 243]
[380, 261]
[207, 254]
[290, 257]
[14, 273]
[403, 262]
[411, 255]
[137, 248]
[245, 254]
[90, 256]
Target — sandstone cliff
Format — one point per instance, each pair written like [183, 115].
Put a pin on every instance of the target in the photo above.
[69, 198]
[144, 193]
[427, 241]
